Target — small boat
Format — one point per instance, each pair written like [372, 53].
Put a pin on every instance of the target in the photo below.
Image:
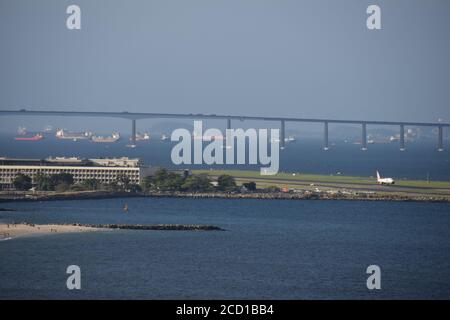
[142, 136]
[290, 139]
[22, 131]
[36, 137]
[48, 129]
[125, 207]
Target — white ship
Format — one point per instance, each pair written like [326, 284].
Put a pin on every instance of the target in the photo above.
[48, 129]
[66, 135]
[142, 136]
[290, 139]
[113, 138]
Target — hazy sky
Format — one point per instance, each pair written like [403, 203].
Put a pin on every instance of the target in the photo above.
[311, 58]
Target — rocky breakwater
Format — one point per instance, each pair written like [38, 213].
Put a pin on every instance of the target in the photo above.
[302, 196]
[158, 227]
[69, 195]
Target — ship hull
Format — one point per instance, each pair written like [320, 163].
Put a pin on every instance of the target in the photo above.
[35, 138]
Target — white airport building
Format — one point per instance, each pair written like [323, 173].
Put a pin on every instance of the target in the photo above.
[105, 170]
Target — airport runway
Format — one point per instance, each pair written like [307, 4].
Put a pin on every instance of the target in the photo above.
[353, 186]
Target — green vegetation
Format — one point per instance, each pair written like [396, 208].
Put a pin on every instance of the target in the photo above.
[164, 180]
[230, 182]
[197, 183]
[22, 182]
[315, 178]
[226, 182]
[63, 182]
[44, 182]
[250, 186]
[91, 184]
[59, 182]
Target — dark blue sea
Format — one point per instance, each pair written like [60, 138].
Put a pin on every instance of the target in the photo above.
[270, 250]
[421, 160]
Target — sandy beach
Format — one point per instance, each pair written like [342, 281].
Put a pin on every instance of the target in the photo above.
[11, 231]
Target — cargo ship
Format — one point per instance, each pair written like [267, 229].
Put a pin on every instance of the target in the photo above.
[113, 138]
[142, 136]
[36, 137]
[66, 135]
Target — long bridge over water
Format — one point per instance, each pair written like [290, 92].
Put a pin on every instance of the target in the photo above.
[134, 116]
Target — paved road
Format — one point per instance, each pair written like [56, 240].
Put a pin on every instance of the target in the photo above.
[410, 190]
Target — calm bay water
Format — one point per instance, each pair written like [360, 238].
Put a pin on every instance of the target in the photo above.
[271, 249]
[421, 159]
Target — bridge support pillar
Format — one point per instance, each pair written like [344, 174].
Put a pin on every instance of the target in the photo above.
[325, 136]
[402, 137]
[282, 134]
[364, 137]
[440, 139]
[133, 132]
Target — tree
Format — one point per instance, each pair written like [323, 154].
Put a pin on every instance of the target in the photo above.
[22, 182]
[250, 186]
[62, 178]
[166, 181]
[123, 182]
[197, 183]
[160, 175]
[91, 184]
[43, 182]
[62, 187]
[173, 182]
[147, 183]
[135, 188]
[226, 183]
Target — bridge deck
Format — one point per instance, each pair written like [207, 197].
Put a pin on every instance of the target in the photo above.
[140, 115]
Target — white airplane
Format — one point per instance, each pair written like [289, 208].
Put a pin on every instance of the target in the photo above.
[381, 180]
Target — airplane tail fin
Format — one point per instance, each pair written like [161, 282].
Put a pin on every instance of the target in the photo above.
[378, 175]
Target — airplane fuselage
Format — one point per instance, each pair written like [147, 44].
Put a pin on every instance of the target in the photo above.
[386, 181]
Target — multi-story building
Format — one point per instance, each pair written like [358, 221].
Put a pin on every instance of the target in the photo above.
[104, 170]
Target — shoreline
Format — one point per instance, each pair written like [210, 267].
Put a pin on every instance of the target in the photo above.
[15, 196]
[92, 195]
[294, 196]
[10, 231]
